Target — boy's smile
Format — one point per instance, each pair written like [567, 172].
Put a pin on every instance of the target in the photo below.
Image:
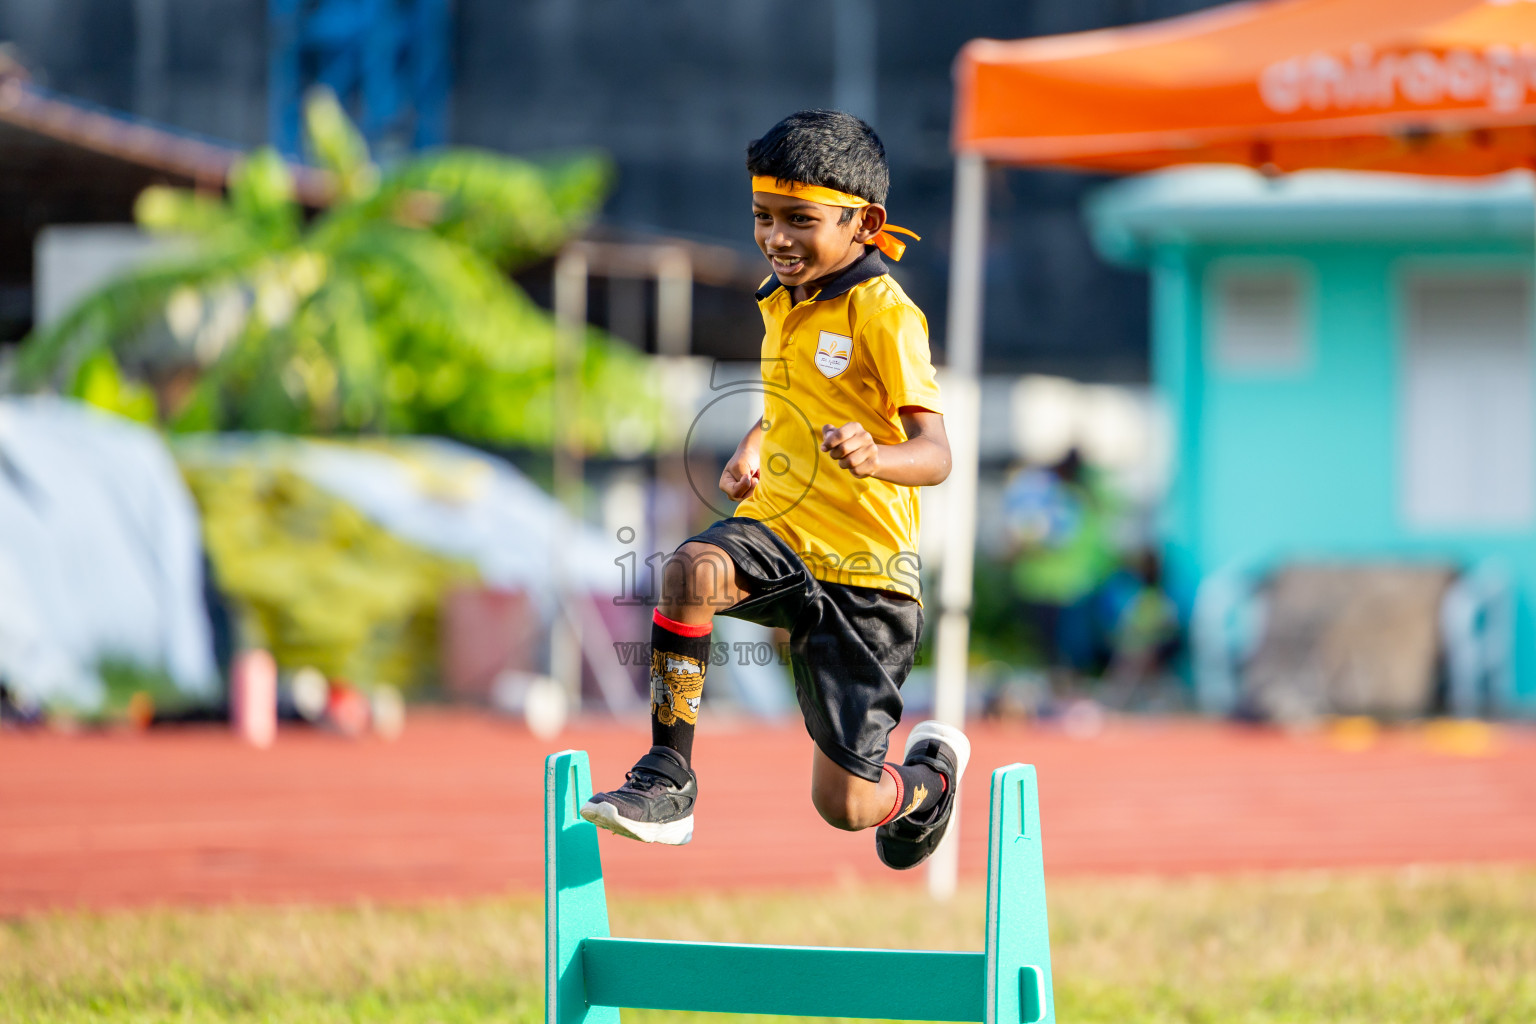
[807, 242]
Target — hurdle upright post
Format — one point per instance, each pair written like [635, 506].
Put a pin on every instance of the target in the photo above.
[575, 904]
[1018, 935]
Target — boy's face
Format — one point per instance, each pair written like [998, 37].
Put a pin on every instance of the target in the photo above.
[806, 241]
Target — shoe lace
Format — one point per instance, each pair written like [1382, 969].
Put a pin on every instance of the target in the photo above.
[639, 780]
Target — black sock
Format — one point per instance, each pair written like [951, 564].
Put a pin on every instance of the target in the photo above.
[919, 788]
[679, 656]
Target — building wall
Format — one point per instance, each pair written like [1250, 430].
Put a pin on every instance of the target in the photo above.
[197, 65]
[1306, 463]
[674, 90]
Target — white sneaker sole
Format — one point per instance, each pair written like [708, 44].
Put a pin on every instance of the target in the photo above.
[670, 833]
[922, 732]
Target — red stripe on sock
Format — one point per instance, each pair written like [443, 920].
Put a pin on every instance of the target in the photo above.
[680, 628]
[895, 807]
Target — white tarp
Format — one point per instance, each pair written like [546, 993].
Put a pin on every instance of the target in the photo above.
[100, 555]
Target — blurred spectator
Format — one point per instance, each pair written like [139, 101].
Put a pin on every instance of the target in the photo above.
[1060, 524]
[1143, 628]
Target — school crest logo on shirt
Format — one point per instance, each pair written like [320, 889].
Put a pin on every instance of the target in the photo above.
[832, 353]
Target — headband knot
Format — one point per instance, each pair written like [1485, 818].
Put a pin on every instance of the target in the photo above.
[884, 241]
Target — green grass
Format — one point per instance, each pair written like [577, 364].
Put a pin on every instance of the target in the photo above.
[1441, 945]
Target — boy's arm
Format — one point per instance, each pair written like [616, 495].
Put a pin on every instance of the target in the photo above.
[920, 461]
[739, 478]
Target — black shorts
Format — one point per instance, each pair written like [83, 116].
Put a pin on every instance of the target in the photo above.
[850, 648]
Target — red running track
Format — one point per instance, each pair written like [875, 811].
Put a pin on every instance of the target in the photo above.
[452, 809]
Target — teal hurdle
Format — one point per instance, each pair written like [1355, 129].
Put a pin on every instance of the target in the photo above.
[589, 975]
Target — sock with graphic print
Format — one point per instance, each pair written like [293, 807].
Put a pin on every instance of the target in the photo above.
[918, 788]
[679, 656]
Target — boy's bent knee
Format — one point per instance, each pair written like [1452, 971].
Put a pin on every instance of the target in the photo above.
[850, 804]
[697, 578]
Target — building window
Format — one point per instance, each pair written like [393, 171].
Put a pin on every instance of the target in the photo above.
[1259, 322]
[1468, 428]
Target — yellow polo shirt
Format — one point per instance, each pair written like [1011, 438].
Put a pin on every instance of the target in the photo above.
[855, 351]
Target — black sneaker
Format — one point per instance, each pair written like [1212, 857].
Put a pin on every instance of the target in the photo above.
[655, 804]
[906, 843]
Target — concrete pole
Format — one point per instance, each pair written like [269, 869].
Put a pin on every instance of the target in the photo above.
[856, 58]
[962, 422]
[674, 340]
[674, 302]
[151, 22]
[570, 330]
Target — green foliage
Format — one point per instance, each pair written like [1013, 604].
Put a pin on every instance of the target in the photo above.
[318, 583]
[1000, 629]
[101, 384]
[124, 680]
[390, 311]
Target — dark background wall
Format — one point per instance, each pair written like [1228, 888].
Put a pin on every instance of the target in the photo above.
[673, 90]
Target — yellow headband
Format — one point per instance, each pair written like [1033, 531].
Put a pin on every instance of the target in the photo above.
[892, 247]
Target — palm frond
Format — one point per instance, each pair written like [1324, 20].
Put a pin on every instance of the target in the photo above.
[114, 314]
[392, 310]
[442, 287]
[163, 210]
[514, 211]
[261, 194]
[338, 146]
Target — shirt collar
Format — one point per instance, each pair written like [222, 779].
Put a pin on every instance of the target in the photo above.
[866, 267]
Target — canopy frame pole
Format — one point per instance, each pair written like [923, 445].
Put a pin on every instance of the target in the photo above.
[570, 288]
[962, 424]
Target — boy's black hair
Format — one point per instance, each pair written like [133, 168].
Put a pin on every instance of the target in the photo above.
[827, 148]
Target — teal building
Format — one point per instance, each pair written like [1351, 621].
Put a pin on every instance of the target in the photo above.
[1347, 361]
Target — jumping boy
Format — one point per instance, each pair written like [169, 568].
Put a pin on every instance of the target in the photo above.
[823, 540]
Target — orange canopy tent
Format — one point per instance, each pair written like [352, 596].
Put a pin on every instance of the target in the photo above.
[1426, 86]
[1423, 86]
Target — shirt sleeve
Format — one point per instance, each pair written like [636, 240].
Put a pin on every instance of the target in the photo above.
[895, 344]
